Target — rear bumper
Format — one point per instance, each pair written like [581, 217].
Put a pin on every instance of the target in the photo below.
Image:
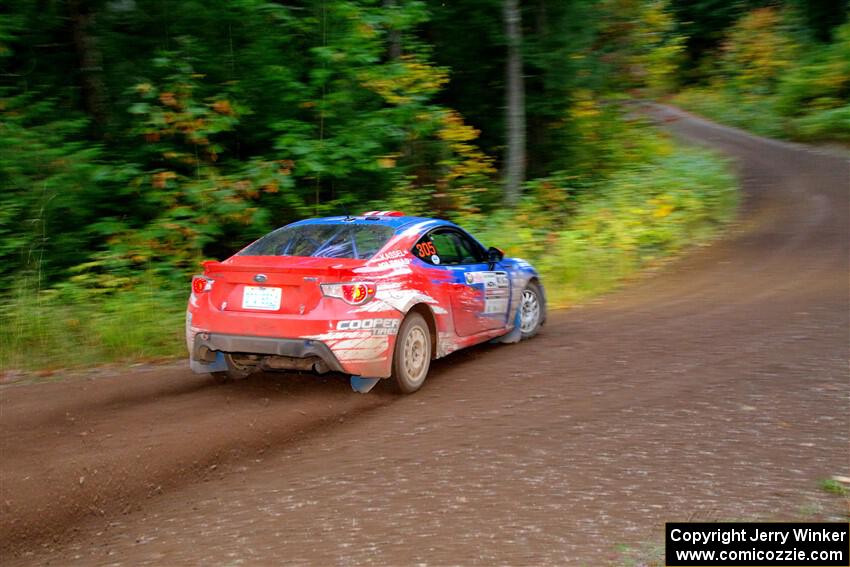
[207, 346]
[348, 340]
[351, 352]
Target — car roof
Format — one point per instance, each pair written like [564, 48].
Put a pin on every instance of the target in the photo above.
[397, 223]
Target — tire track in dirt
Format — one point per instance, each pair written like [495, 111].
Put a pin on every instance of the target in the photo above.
[105, 446]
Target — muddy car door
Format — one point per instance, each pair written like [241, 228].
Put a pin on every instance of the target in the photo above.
[479, 295]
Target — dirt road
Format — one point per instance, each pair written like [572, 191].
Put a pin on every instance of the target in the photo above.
[716, 389]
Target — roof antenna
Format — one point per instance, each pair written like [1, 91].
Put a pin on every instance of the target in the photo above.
[348, 216]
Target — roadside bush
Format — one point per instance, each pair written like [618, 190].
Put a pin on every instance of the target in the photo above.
[640, 215]
[748, 111]
[831, 124]
[71, 327]
[774, 84]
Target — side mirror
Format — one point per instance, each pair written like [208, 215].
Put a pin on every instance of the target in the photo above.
[494, 256]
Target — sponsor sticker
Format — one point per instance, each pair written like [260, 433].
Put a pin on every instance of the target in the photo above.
[397, 263]
[388, 255]
[425, 249]
[496, 288]
[379, 327]
[496, 306]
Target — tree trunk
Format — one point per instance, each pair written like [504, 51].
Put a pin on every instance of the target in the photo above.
[515, 105]
[89, 61]
[393, 33]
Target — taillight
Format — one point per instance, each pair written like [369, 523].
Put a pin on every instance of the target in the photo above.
[201, 284]
[354, 293]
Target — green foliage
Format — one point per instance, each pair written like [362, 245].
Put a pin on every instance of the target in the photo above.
[606, 140]
[52, 189]
[571, 50]
[187, 193]
[835, 487]
[821, 17]
[704, 24]
[644, 212]
[772, 81]
[830, 124]
[751, 112]
[758, 49]
[640, 41]
[815, 94]
[69, 327]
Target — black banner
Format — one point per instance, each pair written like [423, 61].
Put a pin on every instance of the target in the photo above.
[757, 543]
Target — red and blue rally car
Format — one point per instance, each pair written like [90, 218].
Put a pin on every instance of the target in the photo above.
[375, 296]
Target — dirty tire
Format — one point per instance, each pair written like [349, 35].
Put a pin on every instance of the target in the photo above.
[412, 356]
[532, 310]
[235, 371]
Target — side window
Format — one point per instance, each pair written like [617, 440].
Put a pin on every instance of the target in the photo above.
[447, 247]
[471, 252]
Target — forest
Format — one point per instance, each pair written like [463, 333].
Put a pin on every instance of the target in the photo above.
[140, 137]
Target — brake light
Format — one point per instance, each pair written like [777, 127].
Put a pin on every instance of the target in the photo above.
[201, 284]
[353, 293]
[357, 293]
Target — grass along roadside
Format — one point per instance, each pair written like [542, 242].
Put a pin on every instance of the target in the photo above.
[638, 217]
[760, 115]
[641, 216]
[49, 330]
[753, 113]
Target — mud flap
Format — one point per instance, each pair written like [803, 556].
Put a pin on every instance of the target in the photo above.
[363, 385]
[515, 335]
[218, 365]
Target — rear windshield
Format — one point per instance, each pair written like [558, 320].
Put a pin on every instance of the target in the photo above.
[356, 241]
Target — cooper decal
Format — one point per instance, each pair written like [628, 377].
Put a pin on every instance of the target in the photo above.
[379, 327]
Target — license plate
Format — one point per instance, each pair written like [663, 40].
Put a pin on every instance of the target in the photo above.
[263, 298]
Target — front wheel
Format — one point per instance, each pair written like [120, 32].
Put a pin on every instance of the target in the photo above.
[412, 356]
[531, 310]
[235, 370]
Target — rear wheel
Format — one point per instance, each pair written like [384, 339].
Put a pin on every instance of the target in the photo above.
[412, 356]
[235, 370]
[531, 310]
